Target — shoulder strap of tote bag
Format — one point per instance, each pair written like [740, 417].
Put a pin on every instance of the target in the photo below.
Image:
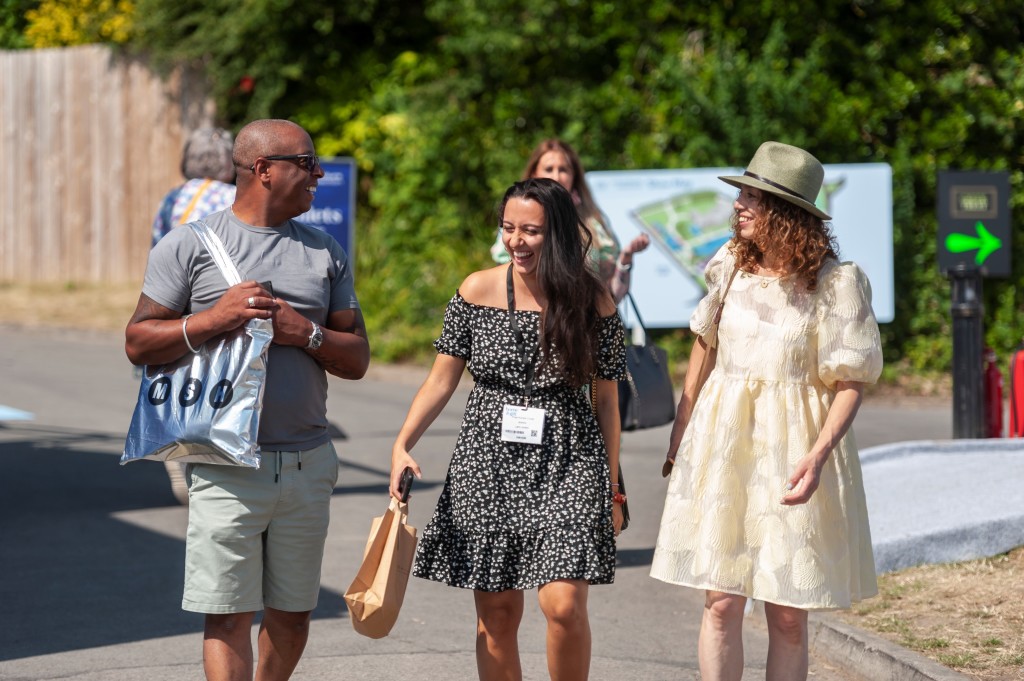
[636, 311]
[215, 247]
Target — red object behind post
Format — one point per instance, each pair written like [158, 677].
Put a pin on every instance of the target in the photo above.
[1017, 393]
[993, 396]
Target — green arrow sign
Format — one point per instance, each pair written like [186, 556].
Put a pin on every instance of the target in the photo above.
[984, 243]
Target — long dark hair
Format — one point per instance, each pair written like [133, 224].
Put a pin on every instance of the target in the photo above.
[568, 327]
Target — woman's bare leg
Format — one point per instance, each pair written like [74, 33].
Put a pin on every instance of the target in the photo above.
[498, 615]
[564, 604]
[720, 647]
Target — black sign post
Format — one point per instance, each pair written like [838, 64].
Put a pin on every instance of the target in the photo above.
[974, 242]
[968, 311]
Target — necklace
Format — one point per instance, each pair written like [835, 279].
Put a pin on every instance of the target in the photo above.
[764, 282]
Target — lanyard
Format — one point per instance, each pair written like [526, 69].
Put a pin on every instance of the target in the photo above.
[520, 342]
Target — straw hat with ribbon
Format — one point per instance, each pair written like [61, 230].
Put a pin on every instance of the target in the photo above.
[789, 172]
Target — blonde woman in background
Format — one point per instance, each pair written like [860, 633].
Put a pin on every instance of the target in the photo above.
[556, 160]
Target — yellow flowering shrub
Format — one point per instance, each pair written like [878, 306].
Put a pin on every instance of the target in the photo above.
[58, 23]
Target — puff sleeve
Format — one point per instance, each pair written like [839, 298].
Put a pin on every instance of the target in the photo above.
[457, 333]
[716, 277]
[849, 346]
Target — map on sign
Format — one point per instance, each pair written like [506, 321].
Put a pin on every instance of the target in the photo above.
[691, 226]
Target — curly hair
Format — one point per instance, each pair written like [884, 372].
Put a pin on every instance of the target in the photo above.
[569, 324]
[788, 233]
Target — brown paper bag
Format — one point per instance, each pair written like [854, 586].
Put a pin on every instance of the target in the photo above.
[375, 595]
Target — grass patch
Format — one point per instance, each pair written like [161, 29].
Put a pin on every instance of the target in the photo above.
[966, 616]
[92, 307]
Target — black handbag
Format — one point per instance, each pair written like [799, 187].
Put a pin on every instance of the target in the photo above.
[646, 399]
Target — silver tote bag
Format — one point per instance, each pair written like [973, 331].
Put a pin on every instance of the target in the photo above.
[205, 407]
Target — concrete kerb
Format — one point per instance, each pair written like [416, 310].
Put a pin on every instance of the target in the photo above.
[897, 450]
[923, 502]
[869, 657]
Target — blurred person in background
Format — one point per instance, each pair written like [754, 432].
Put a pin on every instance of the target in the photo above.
[209, 177]
[556, 160]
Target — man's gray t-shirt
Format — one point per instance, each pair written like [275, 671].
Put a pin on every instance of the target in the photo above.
[307, 268]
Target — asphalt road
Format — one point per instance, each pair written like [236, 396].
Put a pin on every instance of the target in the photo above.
[91, 553]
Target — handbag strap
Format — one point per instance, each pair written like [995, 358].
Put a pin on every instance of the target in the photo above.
[636, 311]
[215, 247]
[713, 340]
[195, 199]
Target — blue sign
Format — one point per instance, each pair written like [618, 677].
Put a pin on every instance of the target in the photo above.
[334, 208]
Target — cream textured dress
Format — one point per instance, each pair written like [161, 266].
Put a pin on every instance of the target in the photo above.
[781, 351]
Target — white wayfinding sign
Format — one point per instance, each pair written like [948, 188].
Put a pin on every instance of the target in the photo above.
[687, 215]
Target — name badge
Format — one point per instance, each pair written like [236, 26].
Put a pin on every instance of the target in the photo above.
[522, 424]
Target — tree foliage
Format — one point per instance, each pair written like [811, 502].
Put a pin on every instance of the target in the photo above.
[440, 101]
[13, 23]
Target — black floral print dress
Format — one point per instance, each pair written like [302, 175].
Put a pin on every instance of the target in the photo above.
[513, 515]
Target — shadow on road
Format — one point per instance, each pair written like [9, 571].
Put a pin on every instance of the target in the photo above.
[74, 575]
[634, 557]
[380, 474]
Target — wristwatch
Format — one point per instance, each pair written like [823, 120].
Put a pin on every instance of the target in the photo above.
[315, 338]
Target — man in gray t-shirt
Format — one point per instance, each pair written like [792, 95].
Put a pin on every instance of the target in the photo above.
[256, 537]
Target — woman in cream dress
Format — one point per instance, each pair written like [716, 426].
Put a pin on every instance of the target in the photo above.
[766, 500]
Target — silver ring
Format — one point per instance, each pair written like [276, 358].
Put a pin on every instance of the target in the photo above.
[252, 301]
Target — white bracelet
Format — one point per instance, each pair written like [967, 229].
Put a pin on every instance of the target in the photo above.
[623, 268]
[184, 332]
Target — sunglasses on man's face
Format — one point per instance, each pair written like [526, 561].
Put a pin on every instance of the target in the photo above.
[308, 162]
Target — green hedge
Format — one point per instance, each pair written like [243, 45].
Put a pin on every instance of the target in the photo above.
[441, 100]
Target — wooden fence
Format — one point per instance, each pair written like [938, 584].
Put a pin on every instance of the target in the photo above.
[89, 143]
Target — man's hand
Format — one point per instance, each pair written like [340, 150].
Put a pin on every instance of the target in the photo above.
[290, 327]
[240, 303]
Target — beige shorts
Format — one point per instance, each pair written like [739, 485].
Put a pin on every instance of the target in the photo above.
[256, 537]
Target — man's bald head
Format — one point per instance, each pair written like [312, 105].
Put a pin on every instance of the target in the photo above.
[265, 137]
[271, 190]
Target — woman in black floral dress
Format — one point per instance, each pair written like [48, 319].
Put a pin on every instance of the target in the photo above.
[528, 501]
